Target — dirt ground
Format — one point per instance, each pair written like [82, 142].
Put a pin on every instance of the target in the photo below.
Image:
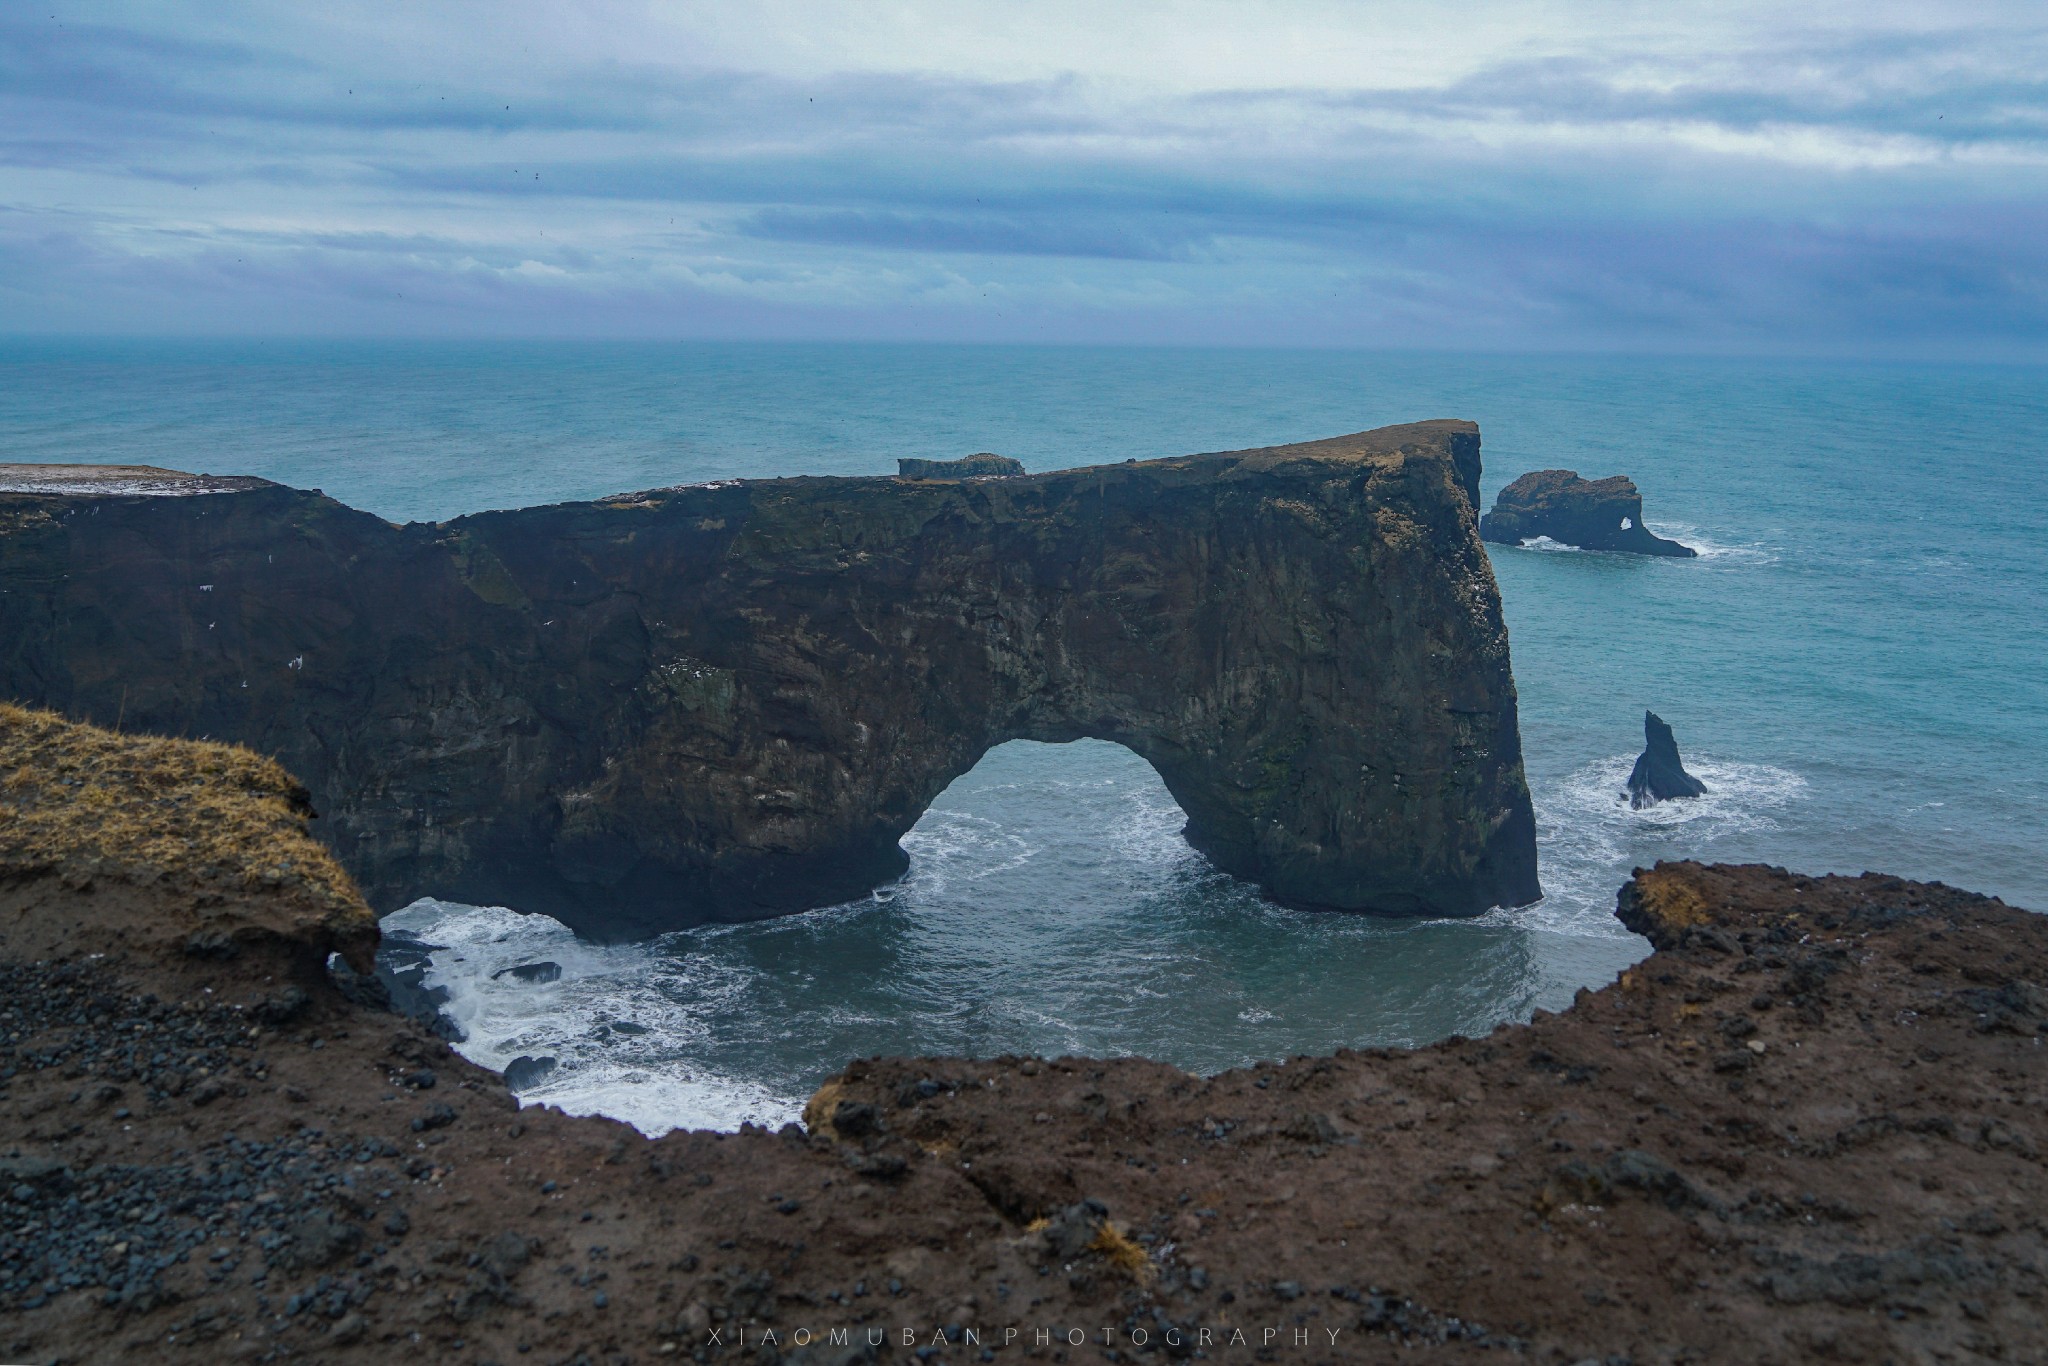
[1809, 1127]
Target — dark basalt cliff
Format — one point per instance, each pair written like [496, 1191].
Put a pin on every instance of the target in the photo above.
[1595, 514]
[730, 701]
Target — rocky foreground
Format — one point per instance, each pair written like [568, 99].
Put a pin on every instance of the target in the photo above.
[1808, 1127]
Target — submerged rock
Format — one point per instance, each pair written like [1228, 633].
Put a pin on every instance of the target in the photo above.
[1659, 775]
[982, 464]
[531, 972]
[1594, 514]
[524, 1072]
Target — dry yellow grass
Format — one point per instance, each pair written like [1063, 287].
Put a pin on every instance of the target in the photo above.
[76, 799]
[1118, 1250]
[818, 1109]
[1669, 898]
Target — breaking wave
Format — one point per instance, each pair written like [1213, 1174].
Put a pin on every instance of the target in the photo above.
[619, 1040]
[1588, 836]
[1711, 549]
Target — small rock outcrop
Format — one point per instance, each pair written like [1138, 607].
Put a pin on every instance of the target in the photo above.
[732, 701]
[1593, 514]
[1659, 776]
[981, 465]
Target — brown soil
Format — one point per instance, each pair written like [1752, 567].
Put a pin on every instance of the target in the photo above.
[1809, 1126]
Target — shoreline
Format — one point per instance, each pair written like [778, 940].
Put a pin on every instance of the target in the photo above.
[1808, 1125]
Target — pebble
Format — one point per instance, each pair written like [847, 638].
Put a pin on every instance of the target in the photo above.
[116, 1228]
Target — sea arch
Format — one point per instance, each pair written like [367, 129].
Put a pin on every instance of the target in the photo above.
[729, 701]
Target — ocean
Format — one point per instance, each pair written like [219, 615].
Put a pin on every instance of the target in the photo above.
[1854, 666]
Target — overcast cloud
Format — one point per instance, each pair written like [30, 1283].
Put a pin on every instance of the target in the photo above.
[1834, 178]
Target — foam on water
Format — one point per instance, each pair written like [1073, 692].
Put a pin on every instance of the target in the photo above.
[1711, 548]
[1586, 831]
[1685, 533]
[641, 1078]
[1051, 906]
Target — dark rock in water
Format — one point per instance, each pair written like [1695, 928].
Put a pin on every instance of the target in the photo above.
[531, 972]
[731, 701]
[1594, 514]
[628, 1027]
[524, 1072]
[402, 962]
[980, 465]
[1658, 775]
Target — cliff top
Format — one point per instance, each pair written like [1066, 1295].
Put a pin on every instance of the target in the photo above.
[1549, 483]
[79, 803]
[147, 481]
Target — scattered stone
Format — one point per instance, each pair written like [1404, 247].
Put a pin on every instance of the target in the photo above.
[433, 1117]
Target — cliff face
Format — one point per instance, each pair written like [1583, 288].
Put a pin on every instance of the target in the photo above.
[1596, 514]
[730, 701]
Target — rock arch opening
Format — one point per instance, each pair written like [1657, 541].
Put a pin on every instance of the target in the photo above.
[1038, 824]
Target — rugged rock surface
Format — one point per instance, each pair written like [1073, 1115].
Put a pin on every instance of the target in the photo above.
[980, 465]
[1596, 514]
[1659, 774]
[730, 701]
[1809, 1127]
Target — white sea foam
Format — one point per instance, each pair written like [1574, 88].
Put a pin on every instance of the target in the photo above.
[1149, 833]
[634, 1077]
[1588, 836]
[1685, 533]
[1708, 548]
[740, 1021]
[949, 846]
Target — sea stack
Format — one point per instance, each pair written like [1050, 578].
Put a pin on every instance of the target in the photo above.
[1659, 775]
[1593, 514]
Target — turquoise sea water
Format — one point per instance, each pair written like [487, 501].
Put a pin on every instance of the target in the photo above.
[1855, 666]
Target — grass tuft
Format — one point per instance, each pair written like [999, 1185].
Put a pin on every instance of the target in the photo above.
[81, 800]
[1118, 1250]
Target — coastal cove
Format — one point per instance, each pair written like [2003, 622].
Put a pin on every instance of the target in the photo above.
[1848, 667]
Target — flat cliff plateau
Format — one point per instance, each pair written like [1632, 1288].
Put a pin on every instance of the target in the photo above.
[1808, 1127]
[730, 701]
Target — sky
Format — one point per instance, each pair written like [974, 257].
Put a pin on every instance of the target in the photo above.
[1866, 178]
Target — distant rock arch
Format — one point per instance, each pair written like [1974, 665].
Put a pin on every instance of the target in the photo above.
[1596, 514]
